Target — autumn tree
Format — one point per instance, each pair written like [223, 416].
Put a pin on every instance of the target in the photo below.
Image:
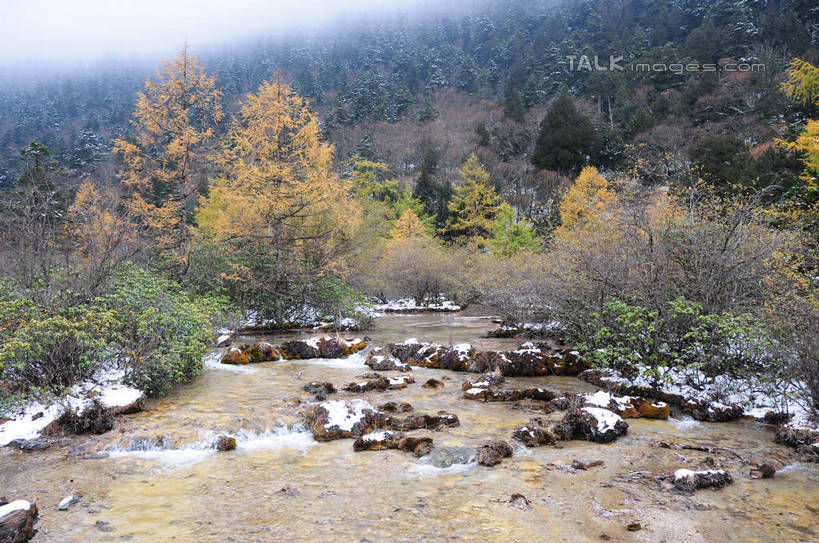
[512, 234]
[166, 163]
[277, 204]
[588, 203]
[474, 206]
[408, 226]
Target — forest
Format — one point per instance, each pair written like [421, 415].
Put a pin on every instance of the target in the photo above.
[659, 223]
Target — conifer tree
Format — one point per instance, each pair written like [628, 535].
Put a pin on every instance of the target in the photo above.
[566, 137]
[473, 207]
[166, 164]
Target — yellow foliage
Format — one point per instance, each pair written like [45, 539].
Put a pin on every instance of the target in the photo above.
[588, 205]
[173, 119]
[408, 226]
[277, 188]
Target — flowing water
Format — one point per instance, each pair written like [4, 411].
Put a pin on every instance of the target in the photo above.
[156, 477]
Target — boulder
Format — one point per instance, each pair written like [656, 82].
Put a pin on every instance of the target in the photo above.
[433, 422]
[94, 419]
[687, 480]
[339, 419]
[386, 439]
[432, 383]
[381, 360]
[714, 411]
[28, 445]
[800, 431]
[17, 521]
[225, 443]
[235, 356]
[395, 407]
[628, 407]
[512, 395]
[320, 347]
[594, 424]
[539, 432]
[493, 452]
[262, 352]
[380, 382]
[320, 389]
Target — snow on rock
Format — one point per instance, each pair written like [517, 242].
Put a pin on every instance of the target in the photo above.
[802, 430]
[17, 521]
[629, 407]
[381, 360]
[688, 480]
[409, 305]
[338, 419]
[376, 441]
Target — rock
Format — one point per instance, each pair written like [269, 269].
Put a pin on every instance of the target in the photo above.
[492, 395]
[433, 422]
[405, 351]
[595, 424]
[687, 480]
[394, 407]
[28, 445]
[225, 443]
[224, 339]
[94, 419]
[505, 332]
[235, 356]
[376, 441]
[320, 389]
[262, 352]
[714, 411]
[627, 406]
[379, 383]
[492, 452]
[634, 527]
[320, 347]
[800, 431]
[487, 380]
[519, 501]
[539, 432]
[766, 470]
[577, 464]
[105, 527]
[433, 383]
[339, 419]
[17, 521]
[381, 360]
[67, 502]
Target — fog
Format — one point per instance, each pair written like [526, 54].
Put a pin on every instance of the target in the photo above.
[66, 32]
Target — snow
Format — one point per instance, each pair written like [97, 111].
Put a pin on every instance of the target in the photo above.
[34, 417]
[801, 421]
[409, 304]
[605, 419]
[400, 380]
[463, 350]
[344, 414]
[602, 399]
[474, 390]
[221, 339]
[684, 474]
[16, 505]
[377, 436]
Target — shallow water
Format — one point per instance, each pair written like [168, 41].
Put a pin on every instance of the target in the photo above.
[159, 478]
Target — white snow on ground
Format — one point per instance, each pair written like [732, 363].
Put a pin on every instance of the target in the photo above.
[726, 390]
[601, 398]
[409, 304]
[16, 505]
[463, 350]
[345, 414]
[400, 380]
[605, 419]
[801, 421]
[686, 474]
[106, 386]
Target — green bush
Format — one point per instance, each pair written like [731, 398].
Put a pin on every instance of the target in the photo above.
[161, 332]
[624, 337]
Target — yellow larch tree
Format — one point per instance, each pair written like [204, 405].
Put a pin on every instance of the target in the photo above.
[588, 204]
[408, 226]
[166, 162]
[277, 203]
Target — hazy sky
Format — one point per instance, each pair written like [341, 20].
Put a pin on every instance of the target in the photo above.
[58, 30]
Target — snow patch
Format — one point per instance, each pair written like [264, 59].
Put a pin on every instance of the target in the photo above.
[16, 505]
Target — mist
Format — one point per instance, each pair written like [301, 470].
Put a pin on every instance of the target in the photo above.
[83, 31]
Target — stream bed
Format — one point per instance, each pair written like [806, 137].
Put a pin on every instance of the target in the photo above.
[157, 477]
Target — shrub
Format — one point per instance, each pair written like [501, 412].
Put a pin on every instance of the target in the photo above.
[161, 331]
